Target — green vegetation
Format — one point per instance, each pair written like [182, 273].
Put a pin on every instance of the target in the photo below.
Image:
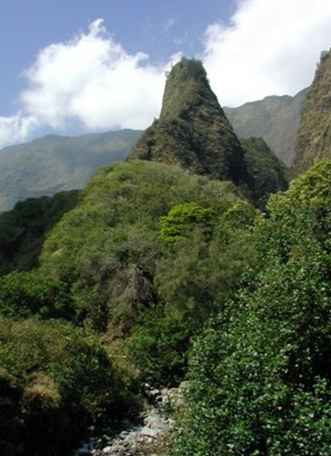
[146, 257]
[109, 247]
[27, 294]
[314, 135]
[24, 229]
[55, 380]
[267, 174]
[260, 374]
[53, 163]
[180, 220]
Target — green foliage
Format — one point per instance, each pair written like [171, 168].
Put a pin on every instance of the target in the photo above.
[193, 280]
[23, 229]
[26, 294]
[240, 216]
[112, 257]
[53, 377]
[259, 375]
[267, 174]
[109, 247]
[182, 219]
[158, 346]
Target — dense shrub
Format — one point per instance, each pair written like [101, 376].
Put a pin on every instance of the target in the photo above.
[260, 375]
[110, 246]
[54, 381]
[267, 174]
[24, 229]
[183, 219]
[26, 294]
[194, 279]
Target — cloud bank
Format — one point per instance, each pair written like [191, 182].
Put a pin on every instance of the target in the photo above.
[268, 47]
[93, 79]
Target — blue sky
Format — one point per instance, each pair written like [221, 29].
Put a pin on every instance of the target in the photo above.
[159, 28]
[93, 65]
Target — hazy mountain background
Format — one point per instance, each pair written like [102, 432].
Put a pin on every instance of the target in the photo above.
[276, 119]
[53, 163]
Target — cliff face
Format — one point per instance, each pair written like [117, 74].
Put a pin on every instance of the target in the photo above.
[314, 136]
[276, 119]
[192, 130]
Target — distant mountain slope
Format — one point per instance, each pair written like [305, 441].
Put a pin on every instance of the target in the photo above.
[54, 163]
[276, 119]
[314, 136]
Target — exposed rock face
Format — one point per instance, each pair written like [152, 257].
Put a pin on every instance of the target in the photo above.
[276, 119]
[192, 130]
[314, 136]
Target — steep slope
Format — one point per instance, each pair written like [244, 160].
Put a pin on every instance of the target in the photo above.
[192, 130]
[24, 228]
[54, 163]
[266, 172]
[276, 119]
[314, 136]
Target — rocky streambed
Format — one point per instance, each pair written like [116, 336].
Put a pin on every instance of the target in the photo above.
[150, 438]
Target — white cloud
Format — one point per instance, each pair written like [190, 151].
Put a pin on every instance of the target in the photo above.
[90, 79]
[93, 79]
[271, 47]
[16, 128]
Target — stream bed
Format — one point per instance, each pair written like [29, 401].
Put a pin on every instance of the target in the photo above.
[150, 438]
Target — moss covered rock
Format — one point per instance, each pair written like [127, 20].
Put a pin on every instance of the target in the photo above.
[314, 136]
[192, 130]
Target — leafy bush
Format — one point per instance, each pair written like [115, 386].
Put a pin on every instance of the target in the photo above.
[54, 380]
[194, 279]
[25, 294]
[24, 229]
[260, 376]
[182, 219]
[267, 174]
[109, 247]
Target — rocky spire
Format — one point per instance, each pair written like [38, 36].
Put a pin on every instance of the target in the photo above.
[192, 130]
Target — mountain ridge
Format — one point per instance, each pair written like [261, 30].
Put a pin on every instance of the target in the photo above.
[57, 163]
[274, 118]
